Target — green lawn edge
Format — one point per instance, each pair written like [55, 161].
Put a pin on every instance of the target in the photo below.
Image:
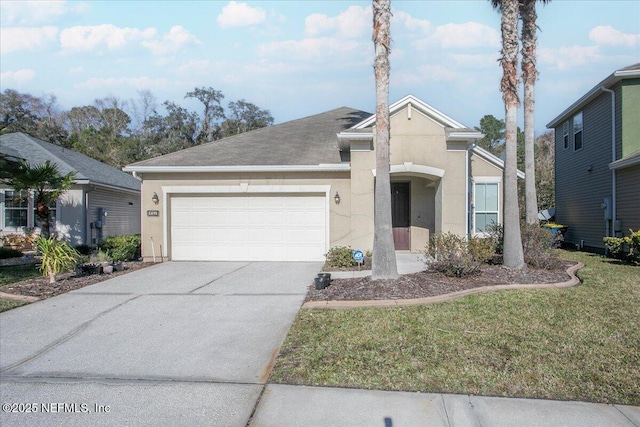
[579, 343]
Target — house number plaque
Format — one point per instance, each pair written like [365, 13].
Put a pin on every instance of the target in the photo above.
[153, 213]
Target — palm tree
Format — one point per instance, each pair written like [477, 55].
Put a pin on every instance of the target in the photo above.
[383, 264]
[529, 77]
[44, 180]
[513, 253]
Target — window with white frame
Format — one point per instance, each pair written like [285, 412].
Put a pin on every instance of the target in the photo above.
[565, 135]
[15, 210]
[486, 205]
[577, 131]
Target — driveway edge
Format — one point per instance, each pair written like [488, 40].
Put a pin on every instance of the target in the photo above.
[573, 281]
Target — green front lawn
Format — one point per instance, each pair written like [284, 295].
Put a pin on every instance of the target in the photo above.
[17, 273]
[14, 274]
[579, 343]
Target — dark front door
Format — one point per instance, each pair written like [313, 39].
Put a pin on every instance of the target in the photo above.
[401, 214]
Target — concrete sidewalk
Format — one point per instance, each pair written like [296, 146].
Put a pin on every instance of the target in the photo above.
[407, 262]
[283, 405]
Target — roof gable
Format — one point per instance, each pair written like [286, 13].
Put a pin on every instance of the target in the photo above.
[411, 101]
[36, 151]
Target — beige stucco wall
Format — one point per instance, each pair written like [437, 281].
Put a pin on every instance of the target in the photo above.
[157, 228]
[438, 204]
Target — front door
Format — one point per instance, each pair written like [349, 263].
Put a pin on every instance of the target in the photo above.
[401, 214]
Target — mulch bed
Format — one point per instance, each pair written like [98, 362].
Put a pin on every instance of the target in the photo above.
[41, 288]
[429, 283]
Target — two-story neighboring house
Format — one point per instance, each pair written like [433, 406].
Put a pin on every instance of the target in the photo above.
[597, 161]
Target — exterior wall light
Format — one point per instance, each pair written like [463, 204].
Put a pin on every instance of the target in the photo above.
[337, 198]
[155, 199]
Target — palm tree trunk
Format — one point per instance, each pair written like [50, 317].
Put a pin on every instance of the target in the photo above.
[513, 253]
[529, 76]
[383, 264]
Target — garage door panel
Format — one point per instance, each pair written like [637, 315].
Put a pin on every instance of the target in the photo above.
[265, 227]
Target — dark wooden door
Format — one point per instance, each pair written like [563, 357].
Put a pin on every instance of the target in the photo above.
[401, 214]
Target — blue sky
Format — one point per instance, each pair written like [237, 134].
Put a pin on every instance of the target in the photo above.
[297, 58]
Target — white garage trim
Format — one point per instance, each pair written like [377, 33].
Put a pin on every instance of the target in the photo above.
[243, 188]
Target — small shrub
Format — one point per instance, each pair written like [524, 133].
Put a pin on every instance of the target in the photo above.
[339, 257]
[14, 239]
[617, 247]
[496, 235]
[57, 256]
[100, 257]
[9, 253]
[537, 246]
[122, 248]
[456, 256]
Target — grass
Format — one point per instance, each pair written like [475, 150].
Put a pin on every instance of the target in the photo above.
[6, 304]
[579, 343]
[16, 273]
[12, 274]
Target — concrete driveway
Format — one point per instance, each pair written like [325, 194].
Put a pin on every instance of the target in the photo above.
[172, 344]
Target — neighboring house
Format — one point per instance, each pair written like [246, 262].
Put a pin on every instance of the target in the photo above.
[294, 190]
[103, 201]
[597, 161]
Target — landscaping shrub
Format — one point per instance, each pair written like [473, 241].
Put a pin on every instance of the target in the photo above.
[340, 256]
[122, 248]
[57, 256]
[496, 235]
[9, 253]
[537, 246]
[457, 256]
[617, 246]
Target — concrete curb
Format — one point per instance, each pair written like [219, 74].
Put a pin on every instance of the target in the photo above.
[573, 281]
[21, 298]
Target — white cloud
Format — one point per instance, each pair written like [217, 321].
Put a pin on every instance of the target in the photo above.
[32, 12]
[89, 38]
[607, 35]
[19, 39]
[237, 14]
[176, 39]
[568, 57]
[137, 83]
[438, 73]
[461, 36]
[476, 60]
[16, 77]
[410, 22]
[316, 50]
[354, 22]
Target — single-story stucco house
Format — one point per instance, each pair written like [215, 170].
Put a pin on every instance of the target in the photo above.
[294, 190]
[103, 201]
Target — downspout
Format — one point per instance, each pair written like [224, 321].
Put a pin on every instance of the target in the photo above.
[467, 172]
[613, 159]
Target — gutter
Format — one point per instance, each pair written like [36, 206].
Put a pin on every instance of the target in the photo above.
[327, 167]
[613, 158]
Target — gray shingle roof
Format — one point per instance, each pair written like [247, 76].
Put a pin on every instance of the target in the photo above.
[36, 151]
[308, 141]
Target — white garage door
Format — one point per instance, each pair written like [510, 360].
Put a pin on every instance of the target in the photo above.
[248, 228]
